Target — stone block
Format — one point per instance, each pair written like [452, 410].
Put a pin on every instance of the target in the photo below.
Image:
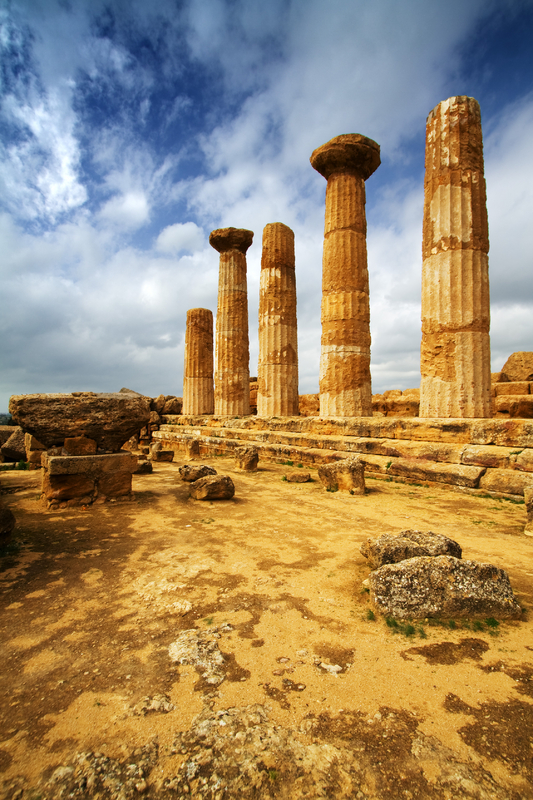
[109, 419]
[390, 549]
[519, 366]
[162, 455]
[507, 481]
[347, 475]
[490, 456]
[116, 484]
[519, 406]
[524, 460]
[79, 446]
[67, 487]
[298, 476]
[442, 586]
[193, 472]
[457, 474]
[15, 448]
[246, 458]
[511, 387]
[94, 466]
[31, 443]
[213, 487]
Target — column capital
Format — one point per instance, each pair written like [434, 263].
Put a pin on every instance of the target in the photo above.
[224, 239]
[350, 152]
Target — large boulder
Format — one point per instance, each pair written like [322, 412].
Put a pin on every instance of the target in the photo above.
[389, 549]
[347, 475]
[213, 487]
[109, 419]
[15, 447]
[519, 366]
[193, 472]
[442, 586]
[173, 405]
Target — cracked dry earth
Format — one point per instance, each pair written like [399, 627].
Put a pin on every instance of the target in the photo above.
[172, 648]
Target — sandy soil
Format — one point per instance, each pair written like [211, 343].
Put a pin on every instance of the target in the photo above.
[93, 704]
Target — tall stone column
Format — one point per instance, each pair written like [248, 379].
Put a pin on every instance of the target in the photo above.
[277, 393]
[232, 353]
[455, 351]
[345, 385]
[198, 394]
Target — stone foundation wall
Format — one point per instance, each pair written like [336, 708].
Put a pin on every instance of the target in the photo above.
[486, 455]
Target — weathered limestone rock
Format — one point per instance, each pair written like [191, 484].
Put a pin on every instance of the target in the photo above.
[507, 481]
[193, 472]
[277, 374]
[298, 476]
[309, 405]
[247, 458]
[81, 480]
[345, 385]
[109, 419]
[163, 456]
[79, 446]
[519, 366]
[192, 448]
[514, 406]
[213, 487]
[395, 403]
[442, 586]
[511, 387]
[528, 498]
[232, 375]
[174, 405]
[455, 351]
[198, 391]
[389, 549]
[144, 468]
[254, 386]
[15, 447]
[347, 475]
[7, 523]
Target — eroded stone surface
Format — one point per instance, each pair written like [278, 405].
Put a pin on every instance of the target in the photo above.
[247, 458]
[345, 384]
[277, 376]
[298, 476]
[347, 475]
[193, 472]
[198, 389]
[109, 419]
[519, 366]
[213, 487]
[389, 549]
[15, 447]
[528, 499]
[199, 649]
[232, 376]
[442, 586]
[455, 350]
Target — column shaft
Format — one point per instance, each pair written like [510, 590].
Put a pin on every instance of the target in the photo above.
[455, 349]
[277, 375]
[198, 394]
[345, 382]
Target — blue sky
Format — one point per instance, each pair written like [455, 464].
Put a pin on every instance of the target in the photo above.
[131, 129]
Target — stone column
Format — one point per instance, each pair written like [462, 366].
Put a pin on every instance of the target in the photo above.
[198, 395]
[277, 393]
[455, 351]
[345, 385]
[232, 354]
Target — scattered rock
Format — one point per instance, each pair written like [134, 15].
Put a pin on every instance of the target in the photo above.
[193, 472]
[519, 367]
[246, 458]
[159, 703]
[298, 476]
[389, 549]
[144, 468]
[213, 487]
[442, 586]
[347, 475]
[7, 523]
[173, 405]
[199, 649]
[158, 403]
[15, 447]
[163, 455]
[109, 419]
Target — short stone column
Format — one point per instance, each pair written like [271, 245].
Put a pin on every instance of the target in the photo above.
[345, 385]
[198, 393]
[277, 376]
[455, 350]
[232, 352]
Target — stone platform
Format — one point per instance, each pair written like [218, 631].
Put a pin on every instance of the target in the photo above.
[83, 480]
[480, 455]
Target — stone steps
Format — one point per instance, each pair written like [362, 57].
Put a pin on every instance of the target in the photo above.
[476, 460]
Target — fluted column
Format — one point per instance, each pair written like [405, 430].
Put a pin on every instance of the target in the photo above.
[455, 350]
[277, 376]
[198, 395]
[232, 354]
[345, 384]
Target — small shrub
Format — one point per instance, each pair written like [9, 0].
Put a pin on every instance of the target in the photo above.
[300, 465]
[478, 625]
[284, 478]
[452, 624]
[370, 615]
[491, 622]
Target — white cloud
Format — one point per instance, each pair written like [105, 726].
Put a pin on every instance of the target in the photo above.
[129, 210]
[186, 236]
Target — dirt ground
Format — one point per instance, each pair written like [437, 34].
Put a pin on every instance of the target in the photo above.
[292, 686]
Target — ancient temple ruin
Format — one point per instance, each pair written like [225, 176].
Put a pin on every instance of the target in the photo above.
[198, 393]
